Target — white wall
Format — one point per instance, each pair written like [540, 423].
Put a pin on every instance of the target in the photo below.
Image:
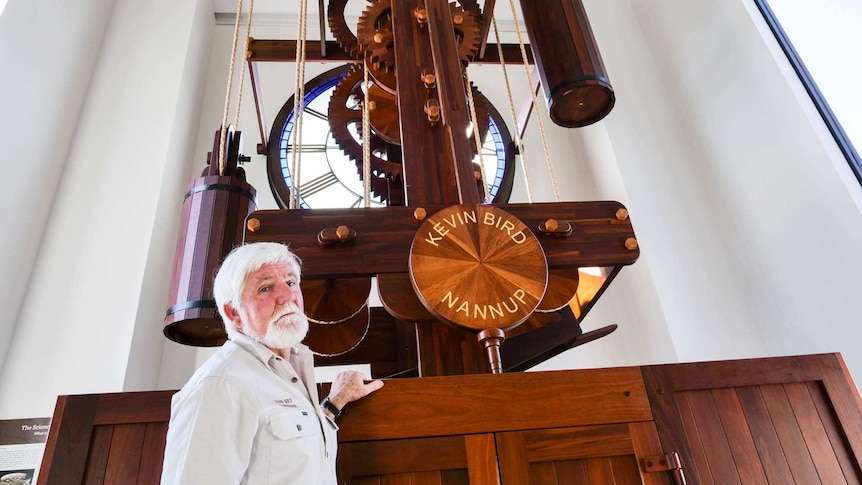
[40, 43]
[78, 317]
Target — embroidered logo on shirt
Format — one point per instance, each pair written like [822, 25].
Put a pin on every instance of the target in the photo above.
[286, 402]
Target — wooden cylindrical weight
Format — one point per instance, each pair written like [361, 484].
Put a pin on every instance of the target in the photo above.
[573, 76]
[213, 223]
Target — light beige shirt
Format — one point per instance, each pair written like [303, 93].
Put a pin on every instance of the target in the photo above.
[247, 416]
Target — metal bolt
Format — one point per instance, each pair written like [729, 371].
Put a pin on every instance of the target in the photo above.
[420, 213]
[631, 244]
[622, 214]
[253, 224]
[342, 232]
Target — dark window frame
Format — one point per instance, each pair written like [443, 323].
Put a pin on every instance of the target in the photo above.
[835, 128]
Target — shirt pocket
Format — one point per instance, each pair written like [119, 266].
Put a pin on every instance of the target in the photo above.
[291, 424]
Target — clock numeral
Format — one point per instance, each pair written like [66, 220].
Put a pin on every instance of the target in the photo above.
[318, 184]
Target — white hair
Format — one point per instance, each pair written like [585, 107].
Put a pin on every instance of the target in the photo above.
[230, 280]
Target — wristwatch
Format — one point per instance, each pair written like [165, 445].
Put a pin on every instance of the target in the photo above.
[332, 408]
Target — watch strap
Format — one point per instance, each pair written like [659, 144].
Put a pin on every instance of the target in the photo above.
[332, 408]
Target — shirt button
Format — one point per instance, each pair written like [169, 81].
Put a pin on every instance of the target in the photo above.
[293, 379]
[299, 427]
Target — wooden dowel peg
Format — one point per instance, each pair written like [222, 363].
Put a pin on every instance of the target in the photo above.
[491, 338]
[253, 224]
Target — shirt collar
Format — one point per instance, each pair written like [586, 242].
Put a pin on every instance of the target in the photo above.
[262, 352]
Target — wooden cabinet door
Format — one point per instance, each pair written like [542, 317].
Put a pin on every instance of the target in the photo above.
[780, 420]
[589, 455]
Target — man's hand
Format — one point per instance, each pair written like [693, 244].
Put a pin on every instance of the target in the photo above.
[349, 386]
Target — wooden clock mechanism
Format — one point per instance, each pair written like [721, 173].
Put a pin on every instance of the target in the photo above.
[468, 283]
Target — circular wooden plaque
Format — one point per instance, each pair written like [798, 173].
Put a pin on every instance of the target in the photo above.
[478, 267]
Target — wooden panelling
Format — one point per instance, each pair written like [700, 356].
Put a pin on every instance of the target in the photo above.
[761, 420]
[97, 460]
[124, 459]
[472, 404]
[587, 426]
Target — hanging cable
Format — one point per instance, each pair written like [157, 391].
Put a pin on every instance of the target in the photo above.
[221, 145]
[245, 59]
[472, 104]
[366, 136]
[535, 101]
[298, 105]
[518, 142]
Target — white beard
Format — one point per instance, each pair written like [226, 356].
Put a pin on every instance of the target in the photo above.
[284, 330]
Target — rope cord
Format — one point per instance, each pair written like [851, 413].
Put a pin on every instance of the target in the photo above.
[221, 144]
[298, 105]
[518, 141]
[366, 137]
[245, 57]
[535, 102]
[472, 103]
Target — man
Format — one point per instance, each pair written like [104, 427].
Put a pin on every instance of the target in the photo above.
[250, 414]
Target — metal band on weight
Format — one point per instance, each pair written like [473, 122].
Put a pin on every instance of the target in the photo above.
[186, 305]
[227, 187]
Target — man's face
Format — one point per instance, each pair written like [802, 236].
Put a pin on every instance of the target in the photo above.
[271, 309]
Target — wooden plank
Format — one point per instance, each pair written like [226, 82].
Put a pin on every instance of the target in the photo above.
[816, 439]
[744, 372]
[384, 236]
[624, 470]
[713, 438]
[845, 399]
[849, 464]
[425, 478]
[545, 473]
[513, 461]
[738, 436]
[481, 460]
[570, 472]
[789, 434]
[68, 442]
[765, 438]
[97, 461]
[134, 407]
[402, 456]
[645, 442]
[124, 458]
[440, 406]
[580, 442]
[268, 50]
[153, 454]
[457, 477]
[599, 470]
[699, 458]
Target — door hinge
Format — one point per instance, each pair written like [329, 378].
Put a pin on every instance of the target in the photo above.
[668, 462]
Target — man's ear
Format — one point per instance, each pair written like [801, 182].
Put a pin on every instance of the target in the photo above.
[233, 315]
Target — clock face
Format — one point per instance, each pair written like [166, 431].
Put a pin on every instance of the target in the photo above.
[329, 178]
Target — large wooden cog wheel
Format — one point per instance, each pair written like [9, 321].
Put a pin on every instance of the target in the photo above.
[478, 267]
